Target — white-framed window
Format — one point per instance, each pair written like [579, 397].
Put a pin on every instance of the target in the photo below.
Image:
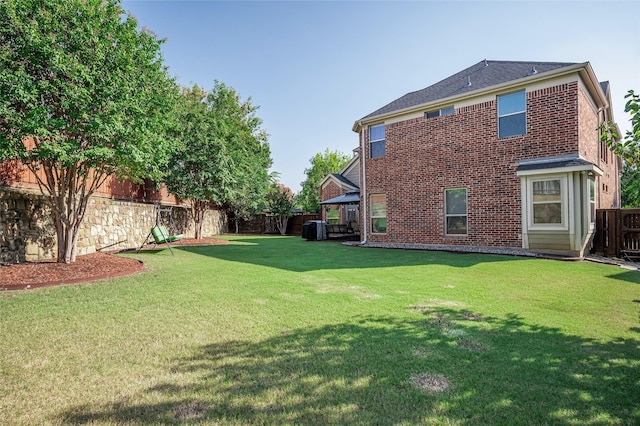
[592, 199]
[439, 112]
[378, 213]
[455, 211]
[512, 114]
[548, 202]
[377, 141]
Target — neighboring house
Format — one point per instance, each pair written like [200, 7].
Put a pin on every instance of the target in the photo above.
[501, 154]
[340, 193]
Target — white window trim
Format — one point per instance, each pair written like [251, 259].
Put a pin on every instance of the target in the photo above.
[372, 217]
[591, 219]
[446, 233]
[442, 112]
[564, 200]
[524, 111]
[372, 141]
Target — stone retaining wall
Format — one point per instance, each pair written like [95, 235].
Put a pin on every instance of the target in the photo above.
[27, 232]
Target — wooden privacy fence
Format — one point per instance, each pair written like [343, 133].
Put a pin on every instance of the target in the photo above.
[264, 224]
[618, 233]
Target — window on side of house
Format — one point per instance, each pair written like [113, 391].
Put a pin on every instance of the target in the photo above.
[604, 149]
[377, 141]
[592, 199]
[378, 213]
[439, 112]
[547, 201]
[455, 211]
[512, 114]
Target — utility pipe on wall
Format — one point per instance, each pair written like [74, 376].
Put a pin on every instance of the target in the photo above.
[363, 193]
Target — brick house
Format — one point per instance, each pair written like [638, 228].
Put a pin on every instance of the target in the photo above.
[501, 154]
[340, 193]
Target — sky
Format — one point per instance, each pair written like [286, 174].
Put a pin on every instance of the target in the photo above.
[315, 67]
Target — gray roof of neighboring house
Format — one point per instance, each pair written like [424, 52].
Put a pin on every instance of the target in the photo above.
[344, 180]
[482, 75]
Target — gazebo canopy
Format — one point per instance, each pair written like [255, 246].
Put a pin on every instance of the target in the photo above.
[348, 198]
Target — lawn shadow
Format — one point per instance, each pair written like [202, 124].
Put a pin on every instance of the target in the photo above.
[628, 276]
[298, 255]
[499, 371]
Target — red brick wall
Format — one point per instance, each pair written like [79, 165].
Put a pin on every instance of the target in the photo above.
[426, 156]
[590, 149]
[16, 175]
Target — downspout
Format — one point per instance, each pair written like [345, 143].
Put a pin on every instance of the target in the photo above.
[363, 196]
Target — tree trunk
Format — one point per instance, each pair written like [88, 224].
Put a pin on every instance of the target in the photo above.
[67, 215]
[237, 226]
[282, 222]
[67, 190]
[198, 210]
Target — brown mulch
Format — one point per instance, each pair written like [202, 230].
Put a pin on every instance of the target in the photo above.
[90, 267]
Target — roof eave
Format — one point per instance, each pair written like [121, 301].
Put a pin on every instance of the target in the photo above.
[593, 85]
[340, 183]
[567, 169]
[588, 72]
[351, 162]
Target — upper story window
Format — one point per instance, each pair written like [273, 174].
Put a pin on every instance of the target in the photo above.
[604, 149]
[512, 114]
[376, 141]
[439, 112]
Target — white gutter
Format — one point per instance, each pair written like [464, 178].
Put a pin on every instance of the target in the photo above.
[363, 185]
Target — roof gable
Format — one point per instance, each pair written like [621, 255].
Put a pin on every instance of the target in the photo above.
[344, 183]
[343, 180]
[482, 75]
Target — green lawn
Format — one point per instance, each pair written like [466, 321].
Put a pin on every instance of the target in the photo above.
[270, 330]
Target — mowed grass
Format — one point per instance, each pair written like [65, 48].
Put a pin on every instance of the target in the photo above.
[269, 330]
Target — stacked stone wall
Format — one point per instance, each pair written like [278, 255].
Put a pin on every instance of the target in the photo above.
[27, 232]
[26, 229]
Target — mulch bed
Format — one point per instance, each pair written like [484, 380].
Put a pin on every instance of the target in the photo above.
[90, 267]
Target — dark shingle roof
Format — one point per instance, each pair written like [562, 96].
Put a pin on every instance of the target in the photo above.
[344, 180]
[482, 75]
[553, 162]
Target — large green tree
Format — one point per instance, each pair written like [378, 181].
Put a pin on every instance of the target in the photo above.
[84, 94]
[224, 157]
[630, 186]
[250, 154]
[280, 204]
[321, 165]
[627, 146]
